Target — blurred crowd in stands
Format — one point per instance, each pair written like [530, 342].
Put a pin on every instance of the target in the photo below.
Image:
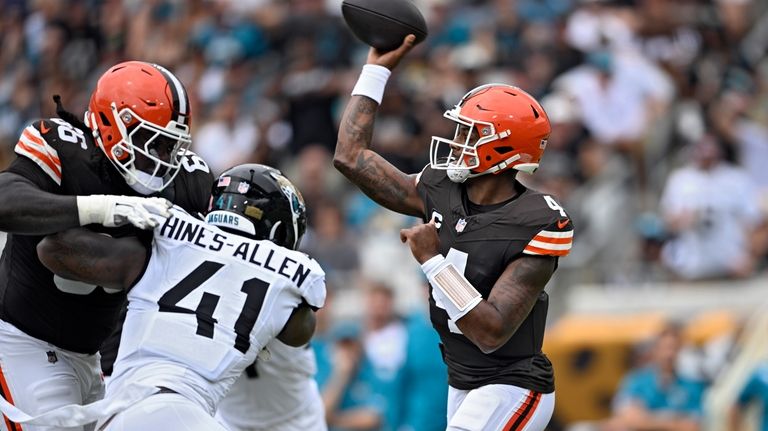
[658, 152]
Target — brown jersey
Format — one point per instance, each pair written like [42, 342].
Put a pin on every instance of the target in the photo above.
[482, 241]
[62, 159]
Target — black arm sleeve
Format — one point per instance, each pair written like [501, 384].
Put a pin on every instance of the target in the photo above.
[27, 204]
[28, 169]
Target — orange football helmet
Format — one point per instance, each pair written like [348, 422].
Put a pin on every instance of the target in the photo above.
[141, 110]
[498, 127]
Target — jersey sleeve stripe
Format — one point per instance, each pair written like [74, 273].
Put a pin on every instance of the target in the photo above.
[32, 145]
[41, 147]
[48, 165]
[34, 142]
[553, 240]
[544, 252]
[548, 246]
[50, 159]
[34, 134]
[32, 137]
[550, 234]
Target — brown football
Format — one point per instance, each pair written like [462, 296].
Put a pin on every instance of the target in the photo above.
[383, 24]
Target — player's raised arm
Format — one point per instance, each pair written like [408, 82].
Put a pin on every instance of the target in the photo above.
[376, 177]
[82, 255]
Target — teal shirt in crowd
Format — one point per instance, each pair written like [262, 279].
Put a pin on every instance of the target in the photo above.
[410, 398]
[682, 396]
[371, 387]
[756, 390]
[425, 378]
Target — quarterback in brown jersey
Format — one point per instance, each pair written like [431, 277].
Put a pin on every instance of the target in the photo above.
[488, 245]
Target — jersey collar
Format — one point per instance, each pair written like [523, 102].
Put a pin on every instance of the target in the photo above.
[473, 222]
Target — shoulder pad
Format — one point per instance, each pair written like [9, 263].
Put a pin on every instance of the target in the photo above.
[556, 237]
[429, 176]
[418, 176]
[313, 291]
[192, 163]
[37, 143]
[541, 209]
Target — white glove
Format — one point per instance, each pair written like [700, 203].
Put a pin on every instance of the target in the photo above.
[113, 211]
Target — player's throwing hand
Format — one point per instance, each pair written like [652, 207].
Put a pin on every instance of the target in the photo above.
[391, 59]
[423, 240]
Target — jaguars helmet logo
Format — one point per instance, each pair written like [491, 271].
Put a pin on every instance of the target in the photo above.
[292, 193]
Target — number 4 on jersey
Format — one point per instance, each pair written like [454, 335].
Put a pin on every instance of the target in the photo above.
[555, 206]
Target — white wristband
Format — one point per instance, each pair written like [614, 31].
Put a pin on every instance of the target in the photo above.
[433, 264]
[450, 289]
[91, 209]
[372, 81]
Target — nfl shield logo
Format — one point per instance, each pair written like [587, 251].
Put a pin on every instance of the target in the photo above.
[243, 187]
[460, 225]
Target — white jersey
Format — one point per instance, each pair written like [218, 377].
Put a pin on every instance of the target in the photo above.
[277, 388]
[209, 301]
[724, 202]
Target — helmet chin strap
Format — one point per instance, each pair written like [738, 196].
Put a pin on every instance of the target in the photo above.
[459, 175]
[143, 183]
[273, 231]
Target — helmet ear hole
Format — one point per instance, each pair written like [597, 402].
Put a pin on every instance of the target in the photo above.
[104, 119]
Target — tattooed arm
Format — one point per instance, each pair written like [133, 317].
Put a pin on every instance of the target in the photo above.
[493, 322]
[376, 177]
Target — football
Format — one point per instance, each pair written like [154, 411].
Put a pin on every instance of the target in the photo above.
[383, 24]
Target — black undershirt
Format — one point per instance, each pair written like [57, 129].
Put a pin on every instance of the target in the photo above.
[473, 208]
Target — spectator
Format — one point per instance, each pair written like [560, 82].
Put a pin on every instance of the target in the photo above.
[425, 377]
[349, 402]
[331, 240]
[384, 344]
[618, 94]
[711, 211]
[741, 115]
[754, 391]
[287, 64]
[655, 397]
[364, 389]
[229, 139]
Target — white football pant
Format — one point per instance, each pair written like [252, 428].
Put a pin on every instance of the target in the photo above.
[499, 408]
[38, 377]
[162, 412]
